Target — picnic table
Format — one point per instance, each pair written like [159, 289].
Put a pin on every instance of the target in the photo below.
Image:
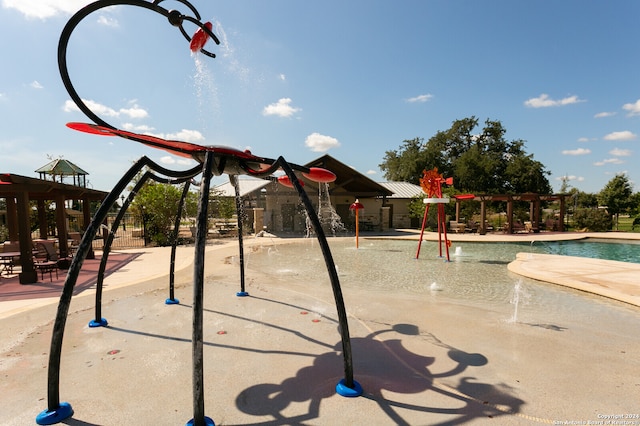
[7, 261]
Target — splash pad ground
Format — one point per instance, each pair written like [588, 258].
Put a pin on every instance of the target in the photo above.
[272, 358]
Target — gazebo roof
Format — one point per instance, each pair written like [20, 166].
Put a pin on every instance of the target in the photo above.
[61, 167]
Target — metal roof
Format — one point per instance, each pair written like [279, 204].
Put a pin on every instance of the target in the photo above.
[247, 186]
[403, 189]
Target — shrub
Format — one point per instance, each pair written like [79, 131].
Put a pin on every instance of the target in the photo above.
[595, 220]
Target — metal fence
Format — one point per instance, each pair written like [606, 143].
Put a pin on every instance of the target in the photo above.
[130, 233]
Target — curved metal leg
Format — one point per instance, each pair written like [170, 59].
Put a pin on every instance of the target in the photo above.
[348, 386]
[56, 411]
[233, 179]
[98, 320]
[199, 418]
[174, 242]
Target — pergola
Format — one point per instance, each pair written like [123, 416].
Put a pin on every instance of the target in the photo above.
[18, 192]
[534, 200]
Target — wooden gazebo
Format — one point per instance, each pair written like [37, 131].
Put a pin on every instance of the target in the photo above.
[18, 192]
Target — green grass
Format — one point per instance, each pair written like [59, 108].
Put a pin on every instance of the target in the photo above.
[625, 223]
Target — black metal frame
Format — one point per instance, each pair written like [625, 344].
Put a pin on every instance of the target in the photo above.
[213, 162]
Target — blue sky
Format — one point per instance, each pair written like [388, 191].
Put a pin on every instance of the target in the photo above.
[349, 78]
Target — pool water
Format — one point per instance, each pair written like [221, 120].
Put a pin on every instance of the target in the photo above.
[628, 251]
[477, 274]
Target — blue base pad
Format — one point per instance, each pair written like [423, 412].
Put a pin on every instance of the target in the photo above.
[102, 323]
[242, 294]
[171, 302]
[207, 421]
[343, 390]
[50, 417]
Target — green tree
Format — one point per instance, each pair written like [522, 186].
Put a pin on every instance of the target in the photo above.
[223, 207]
[483, 162]
[406, 164]
[586, 200]
[617, 196]
[156, 205]
[526, 175]
[635, 204]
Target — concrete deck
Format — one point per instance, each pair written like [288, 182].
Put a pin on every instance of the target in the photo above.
[274, 358]
[616, 280]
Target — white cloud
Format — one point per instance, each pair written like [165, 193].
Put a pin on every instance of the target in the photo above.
[634, 108]
[371, 172]
[134, 112]
[620, 152]
[608, 161]
[282, 77]
[99, 109]
[282, 108]
[43, 9]
[579, 151]
[186, 161]
[186, 135]
[604, 114]
[571, 177]
[586, 139]
[108, 21]
[36, 85]
[420, 98]
[170, 160]
[105, 111]
[544, 101]
[321, 143]
[70, 106]
[138, 128]
[624, 135]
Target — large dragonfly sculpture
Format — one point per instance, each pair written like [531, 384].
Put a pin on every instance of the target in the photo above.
[213, 161]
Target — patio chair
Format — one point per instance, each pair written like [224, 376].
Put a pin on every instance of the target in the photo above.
[50, 250]
[45, 260]
[40, 253]
[47, 266]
